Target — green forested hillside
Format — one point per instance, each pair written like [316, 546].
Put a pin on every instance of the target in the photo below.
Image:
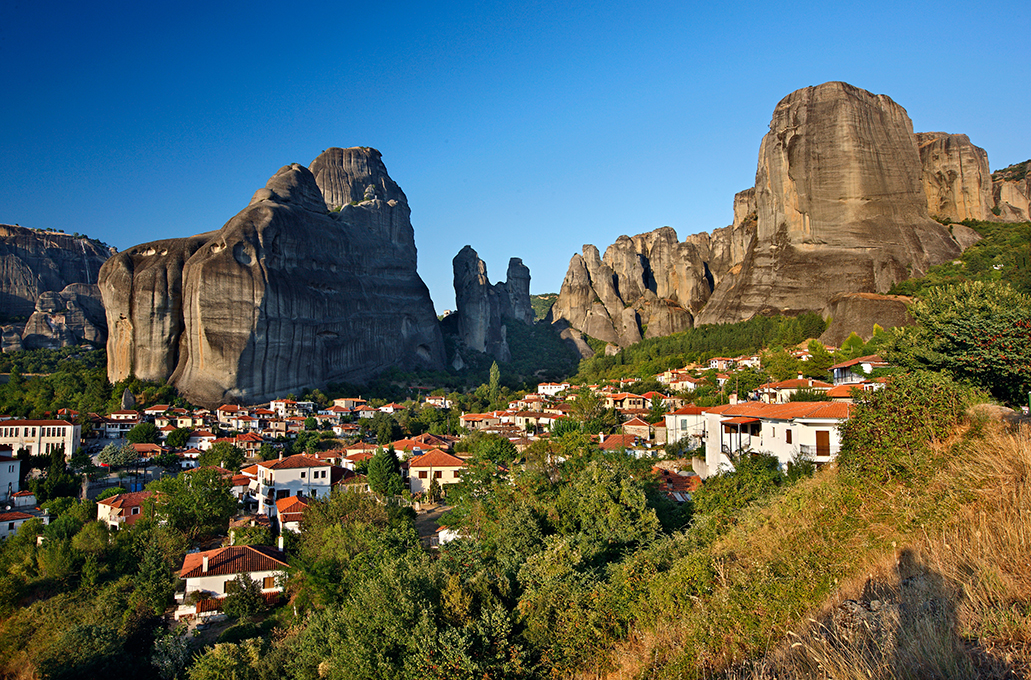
[1003, 255]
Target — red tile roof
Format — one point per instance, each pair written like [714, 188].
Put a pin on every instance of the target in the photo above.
[233, 560]
[436, 458]
[14, 516]
[127, 500]
[871, 359]
[299, 460]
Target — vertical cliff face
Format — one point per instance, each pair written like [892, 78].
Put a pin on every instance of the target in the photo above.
[840, 205]
[484, 309]
[1011, 193]
[295, 291]
[35, 262]
[956, 178]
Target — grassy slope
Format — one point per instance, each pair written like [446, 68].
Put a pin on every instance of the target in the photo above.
[945, 555]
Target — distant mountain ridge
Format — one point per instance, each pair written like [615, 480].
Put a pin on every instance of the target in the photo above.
[843, 204]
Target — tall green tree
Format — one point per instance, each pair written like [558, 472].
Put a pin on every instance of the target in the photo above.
[143, 433]
[384, 473]
[178, 437]
[196, 504]
[222, 454]
[978, 331]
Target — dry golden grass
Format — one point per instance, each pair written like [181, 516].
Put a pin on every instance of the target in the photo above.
[923, 580]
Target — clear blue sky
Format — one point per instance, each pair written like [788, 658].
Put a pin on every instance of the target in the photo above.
[522, 129]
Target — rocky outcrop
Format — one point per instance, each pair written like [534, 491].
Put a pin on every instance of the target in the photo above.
[839, 206]
[305, 286]
[859, 312]
[10, 339]
[33, 262]
[69, 317]
[483, 309]
[956, 178]
[1011, 193]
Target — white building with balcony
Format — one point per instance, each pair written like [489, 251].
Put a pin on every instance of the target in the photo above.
[298, 475]
[785, 431]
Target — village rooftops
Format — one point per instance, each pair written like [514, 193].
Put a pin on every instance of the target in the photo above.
[808, 410]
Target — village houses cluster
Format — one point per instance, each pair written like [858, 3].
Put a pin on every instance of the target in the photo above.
[274, 493]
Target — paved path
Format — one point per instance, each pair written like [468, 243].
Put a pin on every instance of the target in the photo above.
[428, 521]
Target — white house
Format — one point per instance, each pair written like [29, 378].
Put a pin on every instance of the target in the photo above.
[40, 437]
[782, 430]
[11, 521]
[211, 571]
[435, 464]
[686, 422]
[298, 475]
[551, 389]
[10, 473]
[123, 509]
[856, 370]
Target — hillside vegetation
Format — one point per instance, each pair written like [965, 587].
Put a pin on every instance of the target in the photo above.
[1004, 255]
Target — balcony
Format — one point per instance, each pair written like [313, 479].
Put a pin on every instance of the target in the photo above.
[824, 455]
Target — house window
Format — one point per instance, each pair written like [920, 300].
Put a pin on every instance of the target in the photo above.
[787, 436]
[302, 475]
[422, 474]
[268, 582]
[437, 474]
[10, 527]
[135, 511]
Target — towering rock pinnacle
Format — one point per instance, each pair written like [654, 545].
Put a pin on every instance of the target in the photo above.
[841, 206]
[483, 309]
[295, 291]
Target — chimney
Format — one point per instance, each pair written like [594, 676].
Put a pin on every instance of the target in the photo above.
[601, 437]
[280, 542]
[204, 566]
[280, 454]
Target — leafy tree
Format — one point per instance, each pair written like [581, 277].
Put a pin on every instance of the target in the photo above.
[656, 411]
[116, 456]
[58, 481]
[754, 476]
[224, 455]
[143, 433]
[780, 364]
[243, 597]
[384, 473]
[155, 581]
[171, 653]
[889, 429]
[819, 363]
[493, 386]
[178, 437]
[853, 347]
[243, 661]
[196, 504]
[267, 452]
[978, 331]
[311, 424]
[108, 493]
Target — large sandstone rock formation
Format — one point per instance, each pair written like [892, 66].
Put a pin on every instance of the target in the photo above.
[69, 317]
[957, 181]
[840, 206]
[314, 281]
[1011, 193]
[483, 309]
[36, 262]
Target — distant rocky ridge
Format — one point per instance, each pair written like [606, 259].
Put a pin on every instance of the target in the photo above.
[842, 205]
[483, 309]
[48, 291]
[314, 281]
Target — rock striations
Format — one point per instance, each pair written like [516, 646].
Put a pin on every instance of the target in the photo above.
[314, 281]
[842, 203]
[48, 288]
[483, 309]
